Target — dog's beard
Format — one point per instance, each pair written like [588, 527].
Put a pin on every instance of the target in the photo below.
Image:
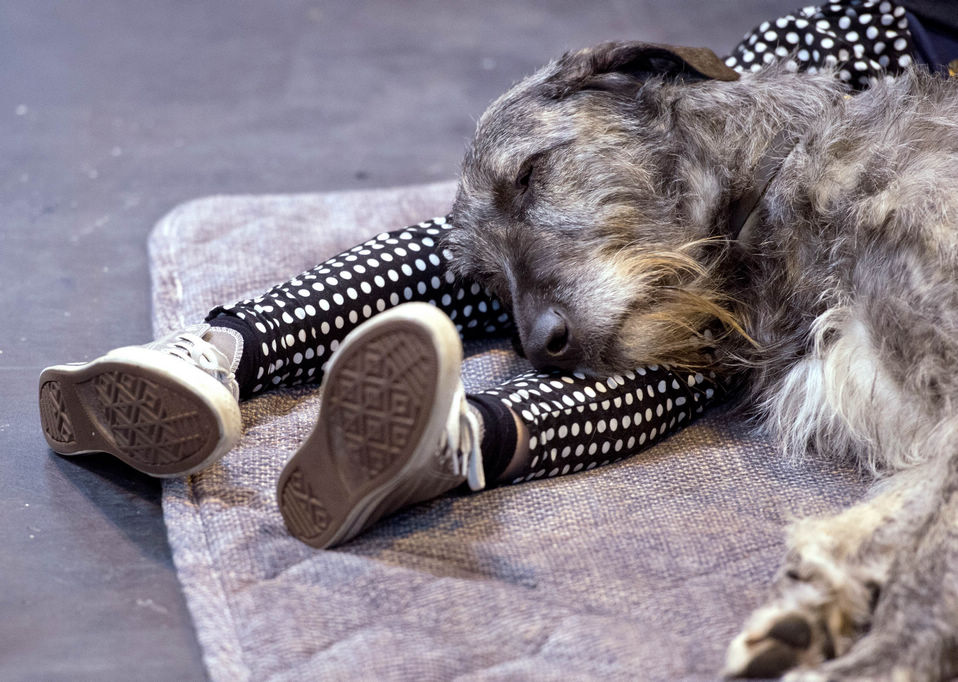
[678, 312]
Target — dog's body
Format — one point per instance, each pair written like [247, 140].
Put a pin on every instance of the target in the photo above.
[615, 200]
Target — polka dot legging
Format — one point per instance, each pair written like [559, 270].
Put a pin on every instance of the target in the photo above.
[300, 323]
[577, 423]
[574, 423]
[861, 40]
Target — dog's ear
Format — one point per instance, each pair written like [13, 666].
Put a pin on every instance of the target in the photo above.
[625, 66]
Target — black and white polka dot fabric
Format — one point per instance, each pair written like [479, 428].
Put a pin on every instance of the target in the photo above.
[577, 423]
[299, 324]
[861, 40]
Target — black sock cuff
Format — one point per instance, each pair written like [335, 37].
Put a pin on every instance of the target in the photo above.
[499, 436]
[244, 371]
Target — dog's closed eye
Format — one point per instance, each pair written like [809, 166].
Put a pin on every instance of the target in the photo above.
[517, 198]
[513, 196]
[530, 170]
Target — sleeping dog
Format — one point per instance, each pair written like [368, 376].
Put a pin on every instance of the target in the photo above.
[638, 204]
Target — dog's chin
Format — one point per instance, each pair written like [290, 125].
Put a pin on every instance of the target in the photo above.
[599, 367]
[613, 361]
[622, 350]
[624, 363]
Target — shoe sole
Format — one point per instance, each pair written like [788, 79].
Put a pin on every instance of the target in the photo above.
[376, 423]
[135, 405]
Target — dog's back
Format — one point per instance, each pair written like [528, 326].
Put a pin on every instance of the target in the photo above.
[855, 265]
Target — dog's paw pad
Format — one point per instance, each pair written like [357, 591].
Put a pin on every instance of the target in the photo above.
[792, 630]
[770, 659]
[770, 647]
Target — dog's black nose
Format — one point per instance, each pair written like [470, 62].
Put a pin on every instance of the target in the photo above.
[551, 343]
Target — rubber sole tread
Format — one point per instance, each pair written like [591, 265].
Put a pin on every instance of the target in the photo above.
[378, 400]
[150, 422]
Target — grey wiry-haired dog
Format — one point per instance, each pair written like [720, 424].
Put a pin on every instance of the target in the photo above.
[642, 204]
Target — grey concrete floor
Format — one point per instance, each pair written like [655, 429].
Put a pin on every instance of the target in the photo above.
[111, 113]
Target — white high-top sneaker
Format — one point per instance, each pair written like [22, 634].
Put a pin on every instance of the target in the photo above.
[167, 408]
[394, 428]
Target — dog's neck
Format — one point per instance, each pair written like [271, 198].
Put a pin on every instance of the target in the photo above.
[768, 113]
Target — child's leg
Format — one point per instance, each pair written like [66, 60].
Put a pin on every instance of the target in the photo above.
[395, 427]
[291, 331]
[570, 423]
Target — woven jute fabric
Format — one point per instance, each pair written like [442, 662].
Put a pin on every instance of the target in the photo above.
[643, 569]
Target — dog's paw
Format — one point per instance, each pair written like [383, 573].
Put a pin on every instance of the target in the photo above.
[819, 609]
[777, 640]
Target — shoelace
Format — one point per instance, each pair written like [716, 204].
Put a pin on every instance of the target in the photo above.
[462, 442]
[189, 346]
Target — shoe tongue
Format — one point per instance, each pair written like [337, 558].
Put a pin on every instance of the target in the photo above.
[227, 345]
[227, 342]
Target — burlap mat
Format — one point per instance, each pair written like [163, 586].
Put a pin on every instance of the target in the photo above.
[640, 570]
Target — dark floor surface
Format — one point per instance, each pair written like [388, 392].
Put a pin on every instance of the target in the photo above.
[111, 113]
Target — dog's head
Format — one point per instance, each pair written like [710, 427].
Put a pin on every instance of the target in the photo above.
[569, 210]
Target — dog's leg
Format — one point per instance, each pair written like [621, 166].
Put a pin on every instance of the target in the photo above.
[842, 593]
[834, 575]
[914, 629]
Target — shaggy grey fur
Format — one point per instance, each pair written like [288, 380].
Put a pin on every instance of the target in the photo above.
[596, 200]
